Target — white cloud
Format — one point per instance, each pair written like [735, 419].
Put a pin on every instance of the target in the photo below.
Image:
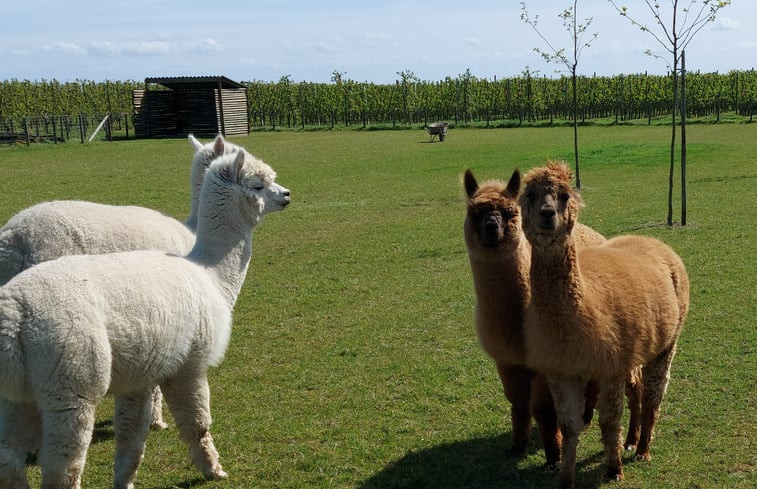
[726, 24]
[746, 45]
[66, 48]
[207, 45]
[140, 48]
[471, 41]
[20, 52]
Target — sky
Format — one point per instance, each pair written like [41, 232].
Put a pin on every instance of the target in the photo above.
[364, 41]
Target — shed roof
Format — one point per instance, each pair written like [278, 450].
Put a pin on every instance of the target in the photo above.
[174, 82]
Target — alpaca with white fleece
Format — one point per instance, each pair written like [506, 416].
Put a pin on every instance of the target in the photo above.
[77, 328]
[49, 230]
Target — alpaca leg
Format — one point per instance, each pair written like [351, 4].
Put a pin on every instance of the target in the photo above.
[591, 398]
[188, 398]
[19, 434]
[543, 409]
[517, 385]
[610, 412]
[634, 391]
[131, 424]
[66, 435]
[656, 376]
[568, 393]
[157, 410]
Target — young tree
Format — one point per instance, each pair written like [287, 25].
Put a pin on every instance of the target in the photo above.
[577, 33]
[685, 23]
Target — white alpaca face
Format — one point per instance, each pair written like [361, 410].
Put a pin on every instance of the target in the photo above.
[273, 196]
[258, 181]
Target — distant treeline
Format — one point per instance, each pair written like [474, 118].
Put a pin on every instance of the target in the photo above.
[464, 99]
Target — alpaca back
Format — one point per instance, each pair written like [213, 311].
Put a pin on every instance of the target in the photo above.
[144, 313]
[50, 230]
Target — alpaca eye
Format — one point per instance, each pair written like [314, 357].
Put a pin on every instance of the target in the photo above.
[563, 198]
[258, 187]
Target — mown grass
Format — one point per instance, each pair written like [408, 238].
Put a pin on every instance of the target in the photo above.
[353, 361]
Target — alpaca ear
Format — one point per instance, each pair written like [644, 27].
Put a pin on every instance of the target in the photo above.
[471, 185]
[218, 145]
[236, 168]
[196, 145]
[513, 186]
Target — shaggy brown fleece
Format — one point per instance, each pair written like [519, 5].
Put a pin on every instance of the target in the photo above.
[596, 313]
[500, 258]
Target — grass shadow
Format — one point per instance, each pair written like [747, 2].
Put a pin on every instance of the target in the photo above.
[479, 463]
[197, 481]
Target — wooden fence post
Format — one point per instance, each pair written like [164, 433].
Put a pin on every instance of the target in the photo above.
[26, 130]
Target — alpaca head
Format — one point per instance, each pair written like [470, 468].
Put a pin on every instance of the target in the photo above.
[246, 181]
[493, 215]
[204, 156]
[549, 204]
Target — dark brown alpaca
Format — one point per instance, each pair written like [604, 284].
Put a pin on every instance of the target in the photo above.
[500, 258]
[596, 314]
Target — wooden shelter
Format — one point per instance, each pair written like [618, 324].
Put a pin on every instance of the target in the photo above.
[199, 105]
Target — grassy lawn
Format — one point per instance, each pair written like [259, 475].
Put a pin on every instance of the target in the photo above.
[353, 361]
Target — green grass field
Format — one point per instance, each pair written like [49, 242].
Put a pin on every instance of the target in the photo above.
[353, 360]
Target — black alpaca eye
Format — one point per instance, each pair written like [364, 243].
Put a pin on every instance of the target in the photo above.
[563, 198]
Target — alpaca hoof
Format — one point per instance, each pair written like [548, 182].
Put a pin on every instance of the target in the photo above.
[646, 457]
[217, 474]
[158, 425]
[614, 477]
[630, 448]
[552, 467]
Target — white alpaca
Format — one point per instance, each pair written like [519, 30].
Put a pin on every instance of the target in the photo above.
[76, 328]
[49, 230]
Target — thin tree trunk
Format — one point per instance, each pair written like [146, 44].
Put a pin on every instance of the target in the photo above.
[575, 127]
[683, 138]
[673, 142]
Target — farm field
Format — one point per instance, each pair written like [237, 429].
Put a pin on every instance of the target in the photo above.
[353, 360]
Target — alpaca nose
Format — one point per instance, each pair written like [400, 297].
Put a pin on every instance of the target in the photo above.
[548, 211]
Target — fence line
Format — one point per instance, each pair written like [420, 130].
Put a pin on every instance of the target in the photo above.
[62, 128]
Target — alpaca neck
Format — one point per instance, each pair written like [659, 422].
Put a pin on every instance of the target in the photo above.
[194, 209]
[555, 276]
[223, 246]
[503, 282]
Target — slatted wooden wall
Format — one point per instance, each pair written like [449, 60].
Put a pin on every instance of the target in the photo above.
[161, 113]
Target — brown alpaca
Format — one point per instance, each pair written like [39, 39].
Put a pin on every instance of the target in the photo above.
[595, 314]
[500, 259]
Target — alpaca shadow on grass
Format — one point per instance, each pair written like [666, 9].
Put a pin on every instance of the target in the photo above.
[103, 432]
[197, 481]
[479, 463]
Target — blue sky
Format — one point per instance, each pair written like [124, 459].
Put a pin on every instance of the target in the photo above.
[367, 41]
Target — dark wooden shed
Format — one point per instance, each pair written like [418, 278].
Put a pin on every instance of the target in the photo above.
[199, 105]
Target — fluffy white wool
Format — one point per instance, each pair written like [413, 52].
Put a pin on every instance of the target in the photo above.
[75, 328]
[49, 230]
